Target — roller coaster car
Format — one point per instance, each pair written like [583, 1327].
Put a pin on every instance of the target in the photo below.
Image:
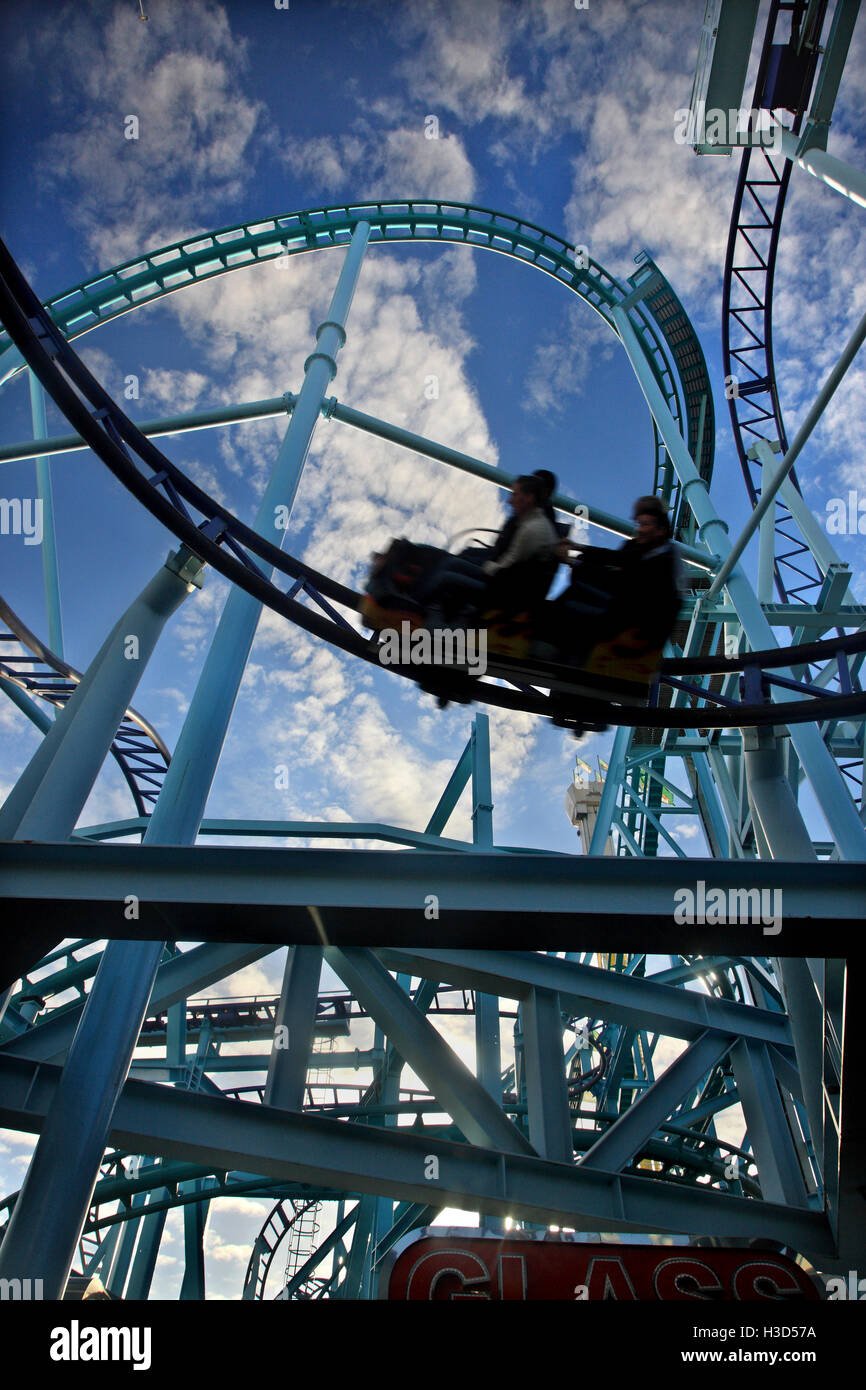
[615, 672]
[394, 574]
[619, 670]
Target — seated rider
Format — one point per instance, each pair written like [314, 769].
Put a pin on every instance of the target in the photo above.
[477, 554]
[612, 591]
[527, 555]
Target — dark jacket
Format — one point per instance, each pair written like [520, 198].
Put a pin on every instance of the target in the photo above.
[643, 583]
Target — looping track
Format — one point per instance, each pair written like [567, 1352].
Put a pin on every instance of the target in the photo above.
[140, 753]
[239, 553]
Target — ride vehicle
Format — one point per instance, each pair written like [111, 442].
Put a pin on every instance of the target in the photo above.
[617, 670]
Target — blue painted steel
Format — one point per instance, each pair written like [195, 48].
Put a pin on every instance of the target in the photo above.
[779, 1172]
[816, 410]
[482, 789]
[612, 781]
[624, 1139]
[49, 539]
[49, 795]
[548, 1114]
[420, 1045]
[287, 1068]
[830, 791]
[49, 1216]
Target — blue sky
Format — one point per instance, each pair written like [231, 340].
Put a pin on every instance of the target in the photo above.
[563, 116]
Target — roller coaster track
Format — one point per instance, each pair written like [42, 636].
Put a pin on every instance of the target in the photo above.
[137, 748]
[235, 551]
[747, 303]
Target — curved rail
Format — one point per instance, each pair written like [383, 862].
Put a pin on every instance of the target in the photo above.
[137, 748]
[168, 494]
[172, 268]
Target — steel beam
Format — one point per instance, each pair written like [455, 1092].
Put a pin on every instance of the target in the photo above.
[625, 1138]
[296, 1012]
[423, 1048]
[203, 894]
[586, 989]
[393, 1162]
[779, 1169]
[176, 980]
[550, 1123]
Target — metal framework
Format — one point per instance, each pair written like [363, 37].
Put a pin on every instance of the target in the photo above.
[610, 1108]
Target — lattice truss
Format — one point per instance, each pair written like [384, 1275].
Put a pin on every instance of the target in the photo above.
[612, 1094]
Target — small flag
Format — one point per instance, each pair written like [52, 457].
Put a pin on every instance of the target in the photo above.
[586, 767]
[602, 765]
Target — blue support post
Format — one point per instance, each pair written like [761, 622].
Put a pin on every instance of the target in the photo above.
[779, 1169]
[56, 1193]
[359, 1263]
[194, 1223]
[715, 826]
[119, 1271]
[48, 797]
[296, 1012]
[487, 1043]
[546, 1091]
[607, 805]
[771, 798]
[806, 1017]
[482, 788]
[49, 540]
[150, 1237]
[175, 1040]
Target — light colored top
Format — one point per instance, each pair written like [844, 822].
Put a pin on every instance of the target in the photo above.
[535, 537]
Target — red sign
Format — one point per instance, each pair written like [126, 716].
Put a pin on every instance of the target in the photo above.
[457, 1266]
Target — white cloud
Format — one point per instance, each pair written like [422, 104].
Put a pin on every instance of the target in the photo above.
[177, 391]
[177, 76]
[404, 162]
[458, 61]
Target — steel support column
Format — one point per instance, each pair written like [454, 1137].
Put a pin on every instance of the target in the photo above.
[48, 797]
[805, 1015]
[771, 798]
[778, 1166]
[830, 791]
[607, 805]
[296, 1012]
[425, 1051]
[56, 1193]
[546, 1091]
[194, 1223]
[49, 538]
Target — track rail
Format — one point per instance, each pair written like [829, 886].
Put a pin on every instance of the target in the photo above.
[238, 553]
[137, 748]
[747, 308]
